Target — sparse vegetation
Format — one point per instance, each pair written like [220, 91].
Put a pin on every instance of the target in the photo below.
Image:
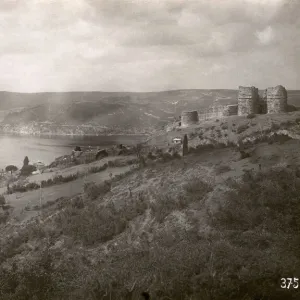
[242, 128]
[251, 116]
[226, 259]
[222, 169]
[2, 201]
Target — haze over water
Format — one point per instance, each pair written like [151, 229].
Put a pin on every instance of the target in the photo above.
[14, 148]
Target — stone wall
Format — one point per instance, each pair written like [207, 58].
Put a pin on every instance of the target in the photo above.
[276, 99]
[247, 100]
[189, 118]
[218, 111]
[230, 110]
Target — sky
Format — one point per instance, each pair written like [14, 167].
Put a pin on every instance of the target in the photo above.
[143, 45]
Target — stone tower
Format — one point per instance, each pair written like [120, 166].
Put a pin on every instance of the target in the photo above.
[247, 100]
[276, 99]
[189, 118]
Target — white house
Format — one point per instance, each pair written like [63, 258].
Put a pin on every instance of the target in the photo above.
[39, 165]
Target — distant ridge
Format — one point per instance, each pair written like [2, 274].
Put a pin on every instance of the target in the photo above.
[128, 111]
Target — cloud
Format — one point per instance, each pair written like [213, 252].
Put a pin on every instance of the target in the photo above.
[147, 45]
[266, 36]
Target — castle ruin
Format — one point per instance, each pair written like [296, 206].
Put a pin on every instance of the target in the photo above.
[273, 100]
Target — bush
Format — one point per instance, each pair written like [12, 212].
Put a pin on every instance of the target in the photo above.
[242, 128]
[198, 187]
[2, 200]
[4, 216]
[176, 155]
[275, 126]
[27, 170]
[222, 169]
[244, 154]
[251, 116]
[93, 191]
[96, 169]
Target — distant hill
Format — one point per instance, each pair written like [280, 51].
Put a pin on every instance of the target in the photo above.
[117, 111]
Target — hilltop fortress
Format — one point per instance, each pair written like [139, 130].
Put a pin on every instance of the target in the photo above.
[273, 100]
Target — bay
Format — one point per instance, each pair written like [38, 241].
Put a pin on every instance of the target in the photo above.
[13, 148]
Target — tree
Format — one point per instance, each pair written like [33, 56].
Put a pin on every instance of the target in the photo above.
[26, 161]
[185, 147]
[11, 168]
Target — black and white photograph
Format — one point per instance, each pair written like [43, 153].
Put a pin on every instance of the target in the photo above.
[149, 149]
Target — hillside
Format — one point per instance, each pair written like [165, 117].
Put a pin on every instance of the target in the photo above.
[219, 223]
[103, 112]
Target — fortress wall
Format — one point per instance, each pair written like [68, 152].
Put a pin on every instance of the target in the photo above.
[189, 118]
[247, 100]
[230, 110]
[276, 99]
[218, 111]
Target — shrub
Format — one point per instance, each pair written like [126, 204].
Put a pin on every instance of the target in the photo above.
[222, 169]
[93, 191]
[4, 216]
[176, 155]
[242, 128]
[275, 126]
[244, 154]
[96, 169]
[198, 187]
[151, 156]
[2, 200]
[166, 156]
[251, 116]
[27, 170]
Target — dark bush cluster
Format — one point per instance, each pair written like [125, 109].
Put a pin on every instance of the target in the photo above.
[251, 116]
[26, 170]
[242, 128]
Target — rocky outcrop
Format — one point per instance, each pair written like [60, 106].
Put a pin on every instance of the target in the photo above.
[276, 99]
[247, 100]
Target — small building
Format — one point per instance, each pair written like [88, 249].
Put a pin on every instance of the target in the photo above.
[177, 140]
[39, 165]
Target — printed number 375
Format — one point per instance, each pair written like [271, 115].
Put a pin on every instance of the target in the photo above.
[287, 283]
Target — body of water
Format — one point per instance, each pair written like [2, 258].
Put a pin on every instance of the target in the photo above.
[14, 148]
